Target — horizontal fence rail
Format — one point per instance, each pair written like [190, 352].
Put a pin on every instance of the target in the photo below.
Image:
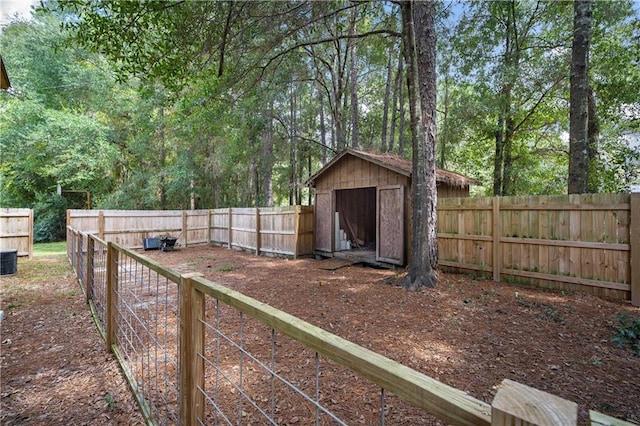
[16, 231]
[195, 352]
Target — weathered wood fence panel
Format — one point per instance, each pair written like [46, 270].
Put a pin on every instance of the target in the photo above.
[578, 242]
[131, 227]
[575, 242]
[16, 230]
[277, 230]
[269, 230]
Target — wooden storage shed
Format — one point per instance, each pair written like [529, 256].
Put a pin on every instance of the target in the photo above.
[363, 205]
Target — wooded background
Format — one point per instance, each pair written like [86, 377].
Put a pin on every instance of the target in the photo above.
[242, 101]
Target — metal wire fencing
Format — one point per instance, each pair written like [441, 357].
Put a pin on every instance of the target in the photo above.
[254, 374]
[146, 330]
[196, 352]
[135, 306]
[97, 284]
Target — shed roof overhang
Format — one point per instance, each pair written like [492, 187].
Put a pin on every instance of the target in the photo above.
[394, 163]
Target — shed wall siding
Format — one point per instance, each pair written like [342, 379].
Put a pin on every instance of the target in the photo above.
[352, 172]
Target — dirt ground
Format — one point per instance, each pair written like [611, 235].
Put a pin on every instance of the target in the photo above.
[54, 366]
[468, 333]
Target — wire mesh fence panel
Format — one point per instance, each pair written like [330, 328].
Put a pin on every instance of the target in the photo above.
[73, 250]
[249, 363]
[255, 375]
[82, 261]
[98, 283]
[147, 335]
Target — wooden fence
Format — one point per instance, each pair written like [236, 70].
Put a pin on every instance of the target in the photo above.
[587, 242]
[104, 272]
[16, 230]
[276, 230]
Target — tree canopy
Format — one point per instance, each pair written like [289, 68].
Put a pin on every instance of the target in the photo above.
[176, 104]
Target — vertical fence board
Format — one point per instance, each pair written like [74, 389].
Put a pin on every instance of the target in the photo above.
[635, 249]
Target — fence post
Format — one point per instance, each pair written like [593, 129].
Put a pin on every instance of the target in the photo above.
[518, 404]
[78, 254]
[257, 231]
[209, 224]
[497, 232]
[230, 219]
[296, 229]
[89, 271]
[634, 242]
[30, 244]
[191, 365]
[101, 224]
[112, 296]
[184, 227]
[69, 246]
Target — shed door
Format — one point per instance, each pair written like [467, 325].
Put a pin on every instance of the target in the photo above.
[390, 224]
[323, 219]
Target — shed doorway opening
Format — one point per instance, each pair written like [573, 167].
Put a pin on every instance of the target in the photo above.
[356, 210]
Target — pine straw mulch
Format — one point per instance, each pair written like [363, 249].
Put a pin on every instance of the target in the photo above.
[55, 367]
[468, 333]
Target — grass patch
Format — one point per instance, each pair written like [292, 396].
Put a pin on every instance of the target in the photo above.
[226, 267]
[47, 274]
[48, 249]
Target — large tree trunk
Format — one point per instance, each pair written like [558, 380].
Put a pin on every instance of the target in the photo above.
[420, 45]
[579, 99]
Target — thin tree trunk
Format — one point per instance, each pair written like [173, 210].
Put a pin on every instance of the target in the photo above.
[345, 107]
[385, 108]
[397, 87]
[593, 132]
[293, 159]
[192, 194]
[444, 133]
[267, 160]
[353, 83]
[323, 128]
[163, 160]
[402, 127]
[507, 166]
[578, 181]
[498, 159]
[214, 182]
